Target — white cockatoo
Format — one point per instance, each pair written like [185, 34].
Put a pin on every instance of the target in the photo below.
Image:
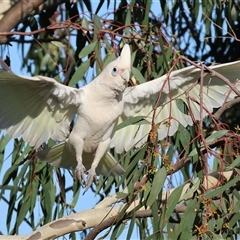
[39, 108]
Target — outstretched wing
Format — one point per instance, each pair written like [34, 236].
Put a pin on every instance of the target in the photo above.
[38, 108]
[182, 85]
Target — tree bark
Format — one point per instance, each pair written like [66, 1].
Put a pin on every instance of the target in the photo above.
[20, 11]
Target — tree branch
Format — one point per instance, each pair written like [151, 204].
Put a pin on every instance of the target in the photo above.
[20, 11]
[113, 220]
[224, 107]
[105, 211]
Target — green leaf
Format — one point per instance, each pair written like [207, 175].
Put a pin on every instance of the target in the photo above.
[121, 195]
[155, 216]
[173, 200]
[116, 234]
[128, 17]
[221, 189]
[214, 236]
[87, 50]
[108, 184]
[109, 59]
[236, 194]
[22, 211]
[186, 225]
[58, 44]
[146, 13]
[157, 185]
[76, 192]
[133, 56]
[161, 42]
[234, 164]
[209, 140]
[184, 137]
[190, 191]
[78, 75]
[139, 120]
[130, 228]
[234, 219]
[137, 74]
[47, 203]
[34, 194]
[216, 135]
[97, 27]
[234, 13]
[133, 166]
[85, 25]
[4, 141]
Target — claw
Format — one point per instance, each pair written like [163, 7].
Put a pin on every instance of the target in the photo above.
[79, 173]
[92, 176]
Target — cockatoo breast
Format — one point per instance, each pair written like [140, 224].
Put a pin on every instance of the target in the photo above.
[95, 123]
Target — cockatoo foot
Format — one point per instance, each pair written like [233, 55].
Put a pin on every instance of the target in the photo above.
[79, 173]
[92, 176]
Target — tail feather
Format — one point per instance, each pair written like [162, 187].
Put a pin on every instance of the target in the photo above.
[60, 156]
[109, 166]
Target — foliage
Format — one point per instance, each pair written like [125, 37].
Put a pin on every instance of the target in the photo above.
[72, 44]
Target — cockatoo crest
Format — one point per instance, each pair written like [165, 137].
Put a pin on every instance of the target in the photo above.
[119, 67]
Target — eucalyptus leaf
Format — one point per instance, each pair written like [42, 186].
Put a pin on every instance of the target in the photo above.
[87, 50]
[157, 185]
[78, 75]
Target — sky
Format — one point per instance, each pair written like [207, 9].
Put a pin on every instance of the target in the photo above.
[88, 200]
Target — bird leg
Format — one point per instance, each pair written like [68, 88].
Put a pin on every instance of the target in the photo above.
[80, 169]
[101, 150]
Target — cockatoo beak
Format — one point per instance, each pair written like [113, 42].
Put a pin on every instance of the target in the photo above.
[125, 75]
[125, 62]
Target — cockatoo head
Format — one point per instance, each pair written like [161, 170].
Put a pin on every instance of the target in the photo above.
[117, 73]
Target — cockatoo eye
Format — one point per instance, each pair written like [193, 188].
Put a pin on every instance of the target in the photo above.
[115, 71]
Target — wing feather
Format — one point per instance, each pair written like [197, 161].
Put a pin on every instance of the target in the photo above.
[182, 84]
[38, 108]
